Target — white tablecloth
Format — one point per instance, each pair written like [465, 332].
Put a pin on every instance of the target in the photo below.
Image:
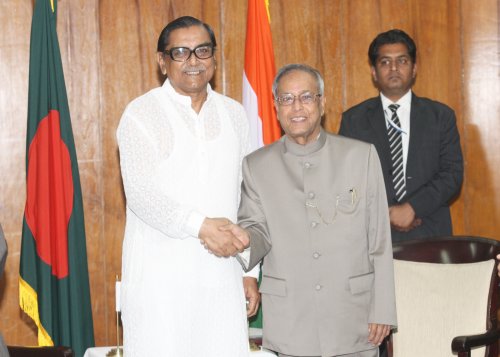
[101, 352]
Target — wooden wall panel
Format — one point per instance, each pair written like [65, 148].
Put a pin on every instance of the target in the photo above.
[362, 22]
[122, 75]
[108, 48]
[14, 53]
[231, 47]
[481, 85]
[307, 32]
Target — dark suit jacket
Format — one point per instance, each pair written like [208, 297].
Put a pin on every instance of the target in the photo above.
[434, 166]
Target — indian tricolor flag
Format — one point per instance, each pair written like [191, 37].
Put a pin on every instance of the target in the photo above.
[258, 79]
[258, 76]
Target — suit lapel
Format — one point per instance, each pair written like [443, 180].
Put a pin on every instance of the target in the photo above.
[379, 127]
[377, 121]
[416, 132]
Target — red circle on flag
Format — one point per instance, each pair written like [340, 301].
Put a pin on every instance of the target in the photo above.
[49, 196]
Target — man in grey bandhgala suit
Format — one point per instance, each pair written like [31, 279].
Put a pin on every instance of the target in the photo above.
[314, 207]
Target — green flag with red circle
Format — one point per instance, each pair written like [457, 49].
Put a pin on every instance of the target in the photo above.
[53, 284]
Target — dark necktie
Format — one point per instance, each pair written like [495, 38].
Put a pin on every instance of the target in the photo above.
[396, 147]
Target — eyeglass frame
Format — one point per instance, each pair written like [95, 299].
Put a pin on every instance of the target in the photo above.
[191, 51]
[278, 99]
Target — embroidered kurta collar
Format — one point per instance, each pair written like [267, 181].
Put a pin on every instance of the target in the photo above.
[303, 150]
[183, 99]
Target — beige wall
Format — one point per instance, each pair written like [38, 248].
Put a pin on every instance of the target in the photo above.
[108, 51]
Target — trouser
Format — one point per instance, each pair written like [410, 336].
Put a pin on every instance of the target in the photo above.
[383, 350]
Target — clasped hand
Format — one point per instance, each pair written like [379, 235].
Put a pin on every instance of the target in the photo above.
[403, 217]
[220, 237]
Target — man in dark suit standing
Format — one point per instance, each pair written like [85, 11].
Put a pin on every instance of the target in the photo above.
[416, 139]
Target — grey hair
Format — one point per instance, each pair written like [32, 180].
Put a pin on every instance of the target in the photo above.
[298, 67]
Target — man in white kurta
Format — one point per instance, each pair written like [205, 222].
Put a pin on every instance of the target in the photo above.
[180, 166]
[177, 168]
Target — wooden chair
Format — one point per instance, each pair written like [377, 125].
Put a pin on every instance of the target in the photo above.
[57, 351]
[446, 297]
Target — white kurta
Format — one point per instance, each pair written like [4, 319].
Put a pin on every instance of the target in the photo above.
[179, 167]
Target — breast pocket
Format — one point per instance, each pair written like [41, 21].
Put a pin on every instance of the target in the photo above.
[347, 201]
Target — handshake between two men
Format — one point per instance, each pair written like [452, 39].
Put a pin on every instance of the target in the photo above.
[223, 238]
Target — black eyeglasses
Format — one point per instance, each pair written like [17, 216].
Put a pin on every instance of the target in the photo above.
[182, 54]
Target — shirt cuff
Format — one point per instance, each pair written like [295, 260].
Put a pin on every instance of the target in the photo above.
[193, 223]
[254, 273]
[244, 258]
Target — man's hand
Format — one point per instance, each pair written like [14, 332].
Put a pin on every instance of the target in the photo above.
[222, 243]
[377, 333]
[252, 295]
[240, 233]
[403, 217]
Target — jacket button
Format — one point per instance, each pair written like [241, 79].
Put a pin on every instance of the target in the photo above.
[318, 287]
[316, 255]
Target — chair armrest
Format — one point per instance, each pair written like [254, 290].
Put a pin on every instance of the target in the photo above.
[465, 343]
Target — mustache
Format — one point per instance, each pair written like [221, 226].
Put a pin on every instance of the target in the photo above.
[193, 69]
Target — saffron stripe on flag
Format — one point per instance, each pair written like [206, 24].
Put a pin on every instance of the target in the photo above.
[259, 72]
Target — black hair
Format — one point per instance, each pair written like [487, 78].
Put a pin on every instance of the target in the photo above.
[179, 23]
[391, 37]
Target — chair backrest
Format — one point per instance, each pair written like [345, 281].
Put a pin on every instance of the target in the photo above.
[445, 287]
[56, 351]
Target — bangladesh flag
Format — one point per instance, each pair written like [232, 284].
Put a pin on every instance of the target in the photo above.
[53, 284]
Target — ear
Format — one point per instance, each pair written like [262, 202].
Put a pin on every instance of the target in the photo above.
[322, 104]
[160, 58]
[374, 73]
[414, 71]
[276, 107]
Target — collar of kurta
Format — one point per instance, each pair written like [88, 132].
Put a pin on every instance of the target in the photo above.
[183, 99]
[303, 150]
